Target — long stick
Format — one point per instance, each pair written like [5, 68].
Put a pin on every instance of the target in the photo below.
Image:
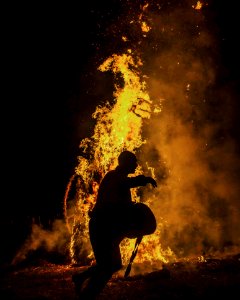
[134, 253]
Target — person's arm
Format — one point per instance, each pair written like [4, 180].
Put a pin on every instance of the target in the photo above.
[140, 180]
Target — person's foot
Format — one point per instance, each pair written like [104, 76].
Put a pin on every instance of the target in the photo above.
[78, 280]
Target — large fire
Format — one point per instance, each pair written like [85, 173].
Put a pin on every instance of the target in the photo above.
[202, 209]
[165, 108]
[118, 126]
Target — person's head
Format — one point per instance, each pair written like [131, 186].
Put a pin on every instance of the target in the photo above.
[127, 161]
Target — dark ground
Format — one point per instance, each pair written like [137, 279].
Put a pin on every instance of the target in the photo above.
[213, 278]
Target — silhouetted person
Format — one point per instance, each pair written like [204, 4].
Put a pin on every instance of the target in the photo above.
[114, 217]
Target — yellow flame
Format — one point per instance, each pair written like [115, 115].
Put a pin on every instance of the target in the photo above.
[145, 27]
[118, 126]
[198, 5]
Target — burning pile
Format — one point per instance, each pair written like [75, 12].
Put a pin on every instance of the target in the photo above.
[118, 127]
[182, 142]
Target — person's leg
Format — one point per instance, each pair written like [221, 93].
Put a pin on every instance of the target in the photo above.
[108, 261]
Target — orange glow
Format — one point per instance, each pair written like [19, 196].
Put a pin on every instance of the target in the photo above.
[118, 126]
[145, 27]
[198, 5]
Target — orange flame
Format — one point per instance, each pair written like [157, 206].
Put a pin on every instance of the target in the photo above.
[198, 5]
[118, 127]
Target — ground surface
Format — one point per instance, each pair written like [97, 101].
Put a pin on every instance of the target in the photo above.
[212, 278]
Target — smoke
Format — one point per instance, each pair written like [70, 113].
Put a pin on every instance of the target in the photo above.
[54, 240]
[190, 143]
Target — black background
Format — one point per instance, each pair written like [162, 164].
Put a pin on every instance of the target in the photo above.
[48, 54]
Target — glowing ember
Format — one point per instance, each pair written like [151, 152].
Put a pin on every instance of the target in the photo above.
[198, 5]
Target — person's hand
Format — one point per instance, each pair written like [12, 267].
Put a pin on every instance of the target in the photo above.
[152, 181]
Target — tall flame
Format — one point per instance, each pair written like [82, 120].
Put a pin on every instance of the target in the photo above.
[118, 127]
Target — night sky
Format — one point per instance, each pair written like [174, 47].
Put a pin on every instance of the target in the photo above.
[50, 56]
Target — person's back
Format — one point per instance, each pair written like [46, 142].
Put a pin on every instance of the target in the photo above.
[113, 192]
[114, 198]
